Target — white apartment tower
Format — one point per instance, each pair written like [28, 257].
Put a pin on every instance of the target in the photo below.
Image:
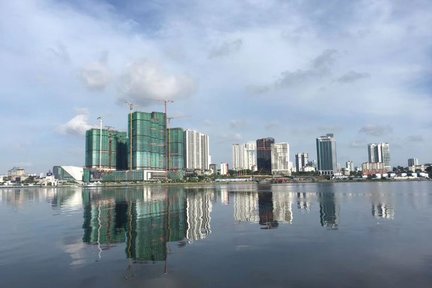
[280, 158]
[197, 150]
[301, 160]
[379, 152]
[244, 156]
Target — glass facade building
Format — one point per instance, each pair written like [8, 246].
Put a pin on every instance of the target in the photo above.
[147, 133]
[176, 148]
[263, 147]
[326, 154]
[106, 149]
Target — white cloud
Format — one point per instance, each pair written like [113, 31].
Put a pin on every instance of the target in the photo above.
[226, 48]
[78, 125]
[294, 55]
[376, 130]
[146, 81]
[352, 76]
[95, 75]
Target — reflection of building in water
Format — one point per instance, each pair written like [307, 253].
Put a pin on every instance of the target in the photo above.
[382, 211]
[304, 200]
[17, 197]
[382, 206]
[246, 207]
[224, 195]
[155, 223]
[105, 222]
[198, 209]
[146, 221]
[282, 206]
[328, 210]
[265, 208]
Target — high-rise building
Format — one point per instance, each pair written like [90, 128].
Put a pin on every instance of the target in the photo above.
[244, 156]
[349, 165]
[106, 149]
[224, 169]
[326, 154]
[238, 155]
[147, 136]
[379, 152]
[301, 160]
[263, 147]
[197, 150]
[413, 162]
[176, 148]
[280, 158]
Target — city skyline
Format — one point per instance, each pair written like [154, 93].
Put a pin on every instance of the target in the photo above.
[237, 71]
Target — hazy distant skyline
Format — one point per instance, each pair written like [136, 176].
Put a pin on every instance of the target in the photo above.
[236, 70]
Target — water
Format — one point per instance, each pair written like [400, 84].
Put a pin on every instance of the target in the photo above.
[243, 235]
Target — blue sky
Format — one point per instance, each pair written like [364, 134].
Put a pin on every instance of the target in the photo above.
[236, 70]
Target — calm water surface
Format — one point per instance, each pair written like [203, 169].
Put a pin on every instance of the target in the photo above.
[303, 235]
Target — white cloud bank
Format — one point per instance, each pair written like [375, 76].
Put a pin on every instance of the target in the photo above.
[145, 81]
[77, 126]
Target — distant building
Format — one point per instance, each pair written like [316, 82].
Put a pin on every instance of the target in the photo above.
[379, 152]
[413, 162]
[280, 159]
[369, 168]
[17, 174]
[197, 150]
[147, 136]
[176, 148]
[349, 165]
[301, 160]
[224, 169]
[106, 149]
[244, 156]
[68, 173]
[213, 168]
[326, 154]
[264, 155]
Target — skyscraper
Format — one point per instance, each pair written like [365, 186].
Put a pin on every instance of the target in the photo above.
[238, 156]
[197, 150]
[301, 160]
[326, 154]
[244, 156]
[147, 136]
[176, 148]
[106, 150]
[264, 155]
[413, 162]
[280, 158]
[379, 152]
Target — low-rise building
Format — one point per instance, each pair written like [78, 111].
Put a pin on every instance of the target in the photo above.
[17, 174]
[68, 173]
[369, 168]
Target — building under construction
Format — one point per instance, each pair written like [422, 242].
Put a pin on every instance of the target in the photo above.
[176, 148]
[148, 151]
[147, 136]
[106, 149]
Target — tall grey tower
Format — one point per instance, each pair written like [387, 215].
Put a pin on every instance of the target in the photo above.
[326, 154]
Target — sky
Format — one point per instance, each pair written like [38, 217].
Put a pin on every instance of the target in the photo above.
[235, 70]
